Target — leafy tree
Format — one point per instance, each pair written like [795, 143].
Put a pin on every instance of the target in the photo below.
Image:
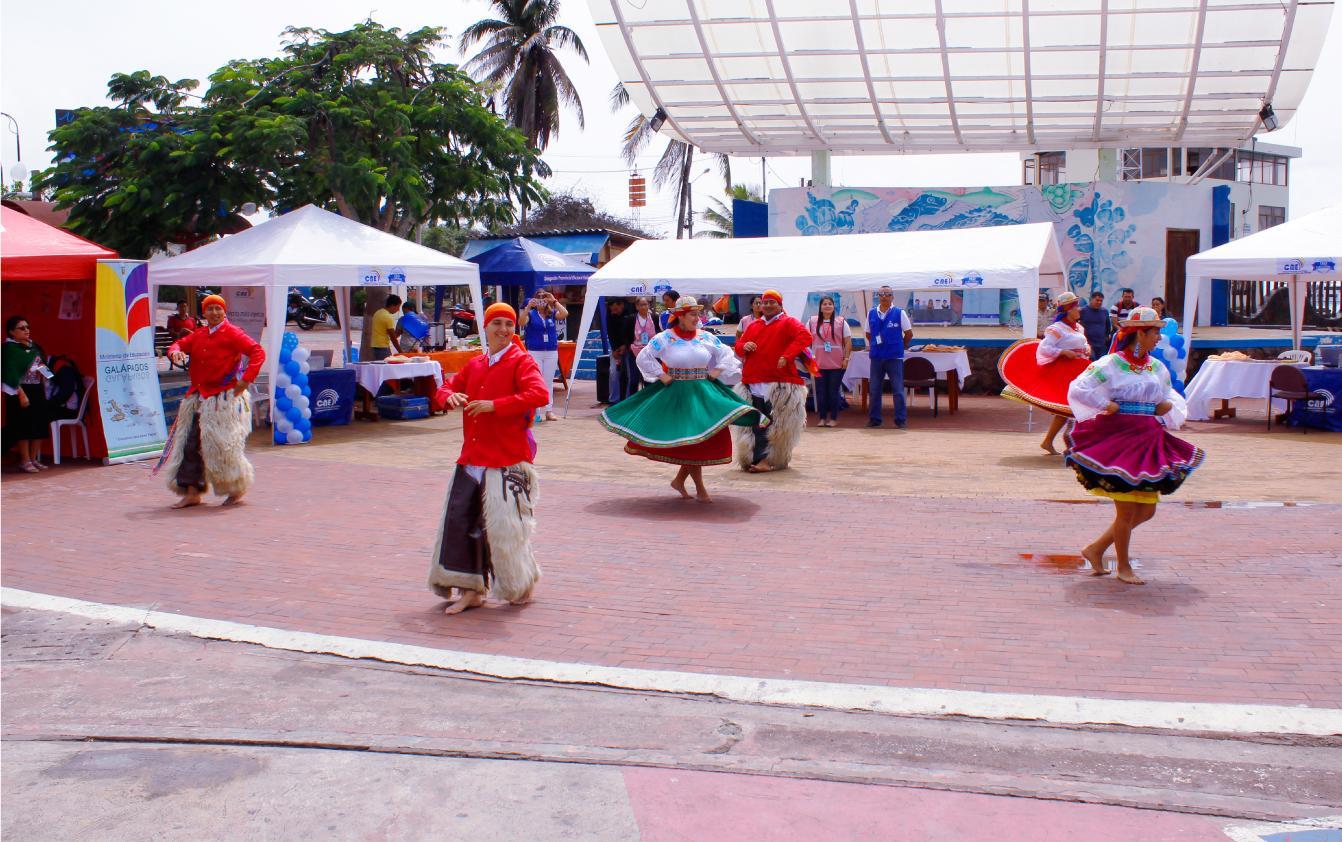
[569, 210]
[446, 239]
[719, 214]
[520, 59]
[363, 122]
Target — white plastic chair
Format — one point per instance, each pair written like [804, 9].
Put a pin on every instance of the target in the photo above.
[259, 399]
[76, 424]
[1300, 356]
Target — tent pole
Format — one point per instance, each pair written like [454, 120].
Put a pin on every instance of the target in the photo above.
[1297, 311]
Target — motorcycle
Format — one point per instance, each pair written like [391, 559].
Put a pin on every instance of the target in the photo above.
[307, 313]
[463, 321]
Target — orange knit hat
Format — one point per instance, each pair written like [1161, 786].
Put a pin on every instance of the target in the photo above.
[773, 295]
[214, 299]
[500, 310]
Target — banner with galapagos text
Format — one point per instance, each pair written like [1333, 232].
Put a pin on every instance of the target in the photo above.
[127, 377]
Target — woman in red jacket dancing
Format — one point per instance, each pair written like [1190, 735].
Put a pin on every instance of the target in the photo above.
[484, 542]
[208, 439]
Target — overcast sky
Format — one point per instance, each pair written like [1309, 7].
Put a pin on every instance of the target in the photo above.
[61, 54]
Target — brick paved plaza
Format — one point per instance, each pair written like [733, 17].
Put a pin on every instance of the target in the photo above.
[940, 557]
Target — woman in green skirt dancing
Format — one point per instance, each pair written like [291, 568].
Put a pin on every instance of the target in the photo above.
[682, 418]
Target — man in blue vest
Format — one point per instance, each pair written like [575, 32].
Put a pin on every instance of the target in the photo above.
[888, 333]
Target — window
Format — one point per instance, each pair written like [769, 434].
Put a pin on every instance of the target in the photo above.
[1269, 216]
[1050, 167]
[1258, 168]
[1027, 171]
[1155, 162]
[1197, 157]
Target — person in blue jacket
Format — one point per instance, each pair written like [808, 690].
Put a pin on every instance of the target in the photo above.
[888, 333]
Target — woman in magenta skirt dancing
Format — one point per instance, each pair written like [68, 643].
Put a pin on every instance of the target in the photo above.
[1118, 445]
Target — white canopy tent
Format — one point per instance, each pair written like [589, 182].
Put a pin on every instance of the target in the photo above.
[1004, 257]
[312, 247]
[1300, 251]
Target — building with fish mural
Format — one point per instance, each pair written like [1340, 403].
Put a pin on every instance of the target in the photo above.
[1133, 228]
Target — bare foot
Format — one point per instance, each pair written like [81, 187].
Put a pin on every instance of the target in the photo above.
[550, 416]
[1047, 447]
[469, 599]
[760, 468]
[187, 502]
[703, 497]
[679, 485]
[1096, 562]
[524, 598]
[1130, 577]
[232, 500]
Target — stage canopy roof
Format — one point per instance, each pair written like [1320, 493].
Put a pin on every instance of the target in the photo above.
[787, 77]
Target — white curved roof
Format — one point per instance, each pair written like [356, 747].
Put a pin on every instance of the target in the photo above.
[778, 77]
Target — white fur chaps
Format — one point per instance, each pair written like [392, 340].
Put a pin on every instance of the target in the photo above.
[225, 423]
[788, 421]
[509, 503]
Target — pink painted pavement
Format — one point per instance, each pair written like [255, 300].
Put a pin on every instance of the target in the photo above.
[1242, 604]
[672, 805]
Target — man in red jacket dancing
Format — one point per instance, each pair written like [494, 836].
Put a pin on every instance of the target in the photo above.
[208, 439]
[769, 348]
[484, 544]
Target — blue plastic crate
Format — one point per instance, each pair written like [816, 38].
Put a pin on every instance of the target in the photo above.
[402, 407]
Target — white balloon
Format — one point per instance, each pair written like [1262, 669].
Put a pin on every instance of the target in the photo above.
[282, 379]
[283, 424]
[305, 412]
[300, 354]
[294, 391]
[302, 402]
[294, 437]
[305, 367]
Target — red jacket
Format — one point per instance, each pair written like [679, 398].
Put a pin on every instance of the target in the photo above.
[503, 437]
[215, 358]
[784, 337]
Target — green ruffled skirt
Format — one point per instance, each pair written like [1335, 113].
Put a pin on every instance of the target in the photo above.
[684, 422]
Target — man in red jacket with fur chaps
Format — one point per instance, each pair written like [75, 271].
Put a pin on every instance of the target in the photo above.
[769, 349]
[484, 543]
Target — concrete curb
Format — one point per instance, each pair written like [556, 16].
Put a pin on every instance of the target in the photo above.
[901, 701]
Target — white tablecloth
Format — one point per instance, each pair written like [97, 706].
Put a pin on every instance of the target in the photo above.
[371, 376]
[1225, 379]
[859, 365]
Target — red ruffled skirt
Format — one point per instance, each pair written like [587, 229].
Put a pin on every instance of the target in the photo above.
[1044, 386]
[714, 450]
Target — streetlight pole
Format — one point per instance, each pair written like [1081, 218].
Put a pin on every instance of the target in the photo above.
[18, 146]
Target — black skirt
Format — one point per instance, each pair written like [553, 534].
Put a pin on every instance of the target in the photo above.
[27, 424]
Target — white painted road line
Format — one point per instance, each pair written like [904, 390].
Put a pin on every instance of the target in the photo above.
[903, 701]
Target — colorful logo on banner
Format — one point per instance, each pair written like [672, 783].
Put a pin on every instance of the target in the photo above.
[128, 393]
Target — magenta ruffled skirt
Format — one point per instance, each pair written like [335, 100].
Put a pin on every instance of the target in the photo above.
[1129, 453]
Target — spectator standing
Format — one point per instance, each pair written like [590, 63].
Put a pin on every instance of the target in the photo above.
[27, 420]
[888, 334]
[180, 323]
[386, 333]
[1127, 302]
[620, 330]
[645, 328]
[755, 313]
[832, 346]
[1158, 304]
[1095, 322]
[540, 328]
[669, 299]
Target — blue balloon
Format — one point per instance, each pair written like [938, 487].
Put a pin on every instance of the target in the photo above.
[302, 380]
[292, 368]
[283, 404]
[303, 424]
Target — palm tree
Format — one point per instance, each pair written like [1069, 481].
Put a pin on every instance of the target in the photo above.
[520, 59]
[675, 163]
[720, 214]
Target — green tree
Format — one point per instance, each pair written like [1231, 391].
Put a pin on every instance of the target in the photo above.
[520, 59]
[363, 122]
[719, 214]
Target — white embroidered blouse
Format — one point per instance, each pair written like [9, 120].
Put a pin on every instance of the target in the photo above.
[704, 351]
[1058, 337]
[1113, 378]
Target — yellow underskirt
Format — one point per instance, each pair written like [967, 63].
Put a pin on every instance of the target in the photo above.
[1148, 497]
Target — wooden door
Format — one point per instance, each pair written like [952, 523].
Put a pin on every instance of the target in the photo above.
[1180, 244]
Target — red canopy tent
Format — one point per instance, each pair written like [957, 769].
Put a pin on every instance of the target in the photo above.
[48, 276]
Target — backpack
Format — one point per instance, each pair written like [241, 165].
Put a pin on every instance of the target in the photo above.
[65, 389]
